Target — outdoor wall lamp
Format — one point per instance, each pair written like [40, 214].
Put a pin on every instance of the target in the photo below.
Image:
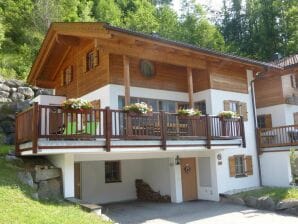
[177, 160]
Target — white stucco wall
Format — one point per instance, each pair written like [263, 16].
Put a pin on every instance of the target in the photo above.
[276, 169]
[95, 190]
[282, 114]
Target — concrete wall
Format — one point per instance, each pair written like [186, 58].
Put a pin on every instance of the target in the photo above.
[276, 169]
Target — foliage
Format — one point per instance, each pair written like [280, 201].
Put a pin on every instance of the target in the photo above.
[189, 112]
[141, 108]
[17, 206]
[276, 193]
[76, 104]
[24, 23]
[228, 114]
[293, 158]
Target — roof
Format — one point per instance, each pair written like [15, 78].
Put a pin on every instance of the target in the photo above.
[192, 47]
[287, 61]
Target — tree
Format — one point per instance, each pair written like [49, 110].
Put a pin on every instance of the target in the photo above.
[108, 11]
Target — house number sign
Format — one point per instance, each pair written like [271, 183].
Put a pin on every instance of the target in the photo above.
[187, 168]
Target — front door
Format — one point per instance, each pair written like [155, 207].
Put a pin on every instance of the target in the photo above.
[189, 178]
[77, 180]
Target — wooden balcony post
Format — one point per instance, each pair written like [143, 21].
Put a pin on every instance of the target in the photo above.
[242, 129]
[17, 146]
[190, 87]
[208, 131]
[163, 129]
[126, 80]
[108, 128]
[35, 127]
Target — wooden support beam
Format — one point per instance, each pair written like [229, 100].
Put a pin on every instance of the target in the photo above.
[126, 80]
[190, 87]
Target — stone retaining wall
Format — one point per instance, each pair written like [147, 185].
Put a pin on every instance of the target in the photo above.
[15, 96]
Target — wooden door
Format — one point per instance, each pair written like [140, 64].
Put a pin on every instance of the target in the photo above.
[77, 180]
[189, 179]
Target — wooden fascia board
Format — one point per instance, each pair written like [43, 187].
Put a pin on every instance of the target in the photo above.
[249, 66]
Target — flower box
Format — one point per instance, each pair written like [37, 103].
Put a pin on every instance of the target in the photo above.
[76, 105]
[138, 109]
[189, 113]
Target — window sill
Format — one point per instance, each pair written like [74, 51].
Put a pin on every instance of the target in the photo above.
[240, 176]
[111, 182]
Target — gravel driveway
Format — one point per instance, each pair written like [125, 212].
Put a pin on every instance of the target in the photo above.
[203, 212]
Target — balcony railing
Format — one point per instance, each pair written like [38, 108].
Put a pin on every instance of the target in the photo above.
[278, 136]
[55, 123]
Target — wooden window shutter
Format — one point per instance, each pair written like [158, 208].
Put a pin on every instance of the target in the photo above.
[268, 121]
[248, 165]
[227, 105]
[62, 79]
[243, 110]
[85, 63]
[232, 166]
[96, 58]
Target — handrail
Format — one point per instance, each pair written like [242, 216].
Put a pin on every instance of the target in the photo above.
[56, 123]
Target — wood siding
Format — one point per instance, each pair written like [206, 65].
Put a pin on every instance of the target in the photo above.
[83, 82]
[229, 80]
[269, 92]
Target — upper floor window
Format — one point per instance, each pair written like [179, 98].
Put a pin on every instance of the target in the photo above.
[201, 105]
[67, 76]
[237, 107]
[264, 121]
[92, 60]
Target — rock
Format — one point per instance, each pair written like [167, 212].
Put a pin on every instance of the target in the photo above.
[2, 79]
[43, 92]
[14, 83]
[4, 99]
[4, 94]
[7, 126]
[251, 201]
[46, 174]
[13, 89]
[13, 159]
[17, 97]
[293, 211]
[285, 204]
[26, 178]
[237, 200]
[4, 87]
[34, 195]
[10, 139]
[266, 203]
[49, 189]
[27, 92]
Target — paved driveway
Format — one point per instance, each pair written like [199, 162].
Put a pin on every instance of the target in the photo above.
[203, 212]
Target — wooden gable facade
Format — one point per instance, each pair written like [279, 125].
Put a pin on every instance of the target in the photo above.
[62, 63]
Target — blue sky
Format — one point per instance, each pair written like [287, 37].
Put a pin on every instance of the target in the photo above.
[214, 4]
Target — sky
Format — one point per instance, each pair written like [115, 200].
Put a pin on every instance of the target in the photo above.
[214, 4]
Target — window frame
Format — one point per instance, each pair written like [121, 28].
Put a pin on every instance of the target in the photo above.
[67, 76]
[90, 60]
[197, 105]
[261, 119]
[115, 178]
[242, 173]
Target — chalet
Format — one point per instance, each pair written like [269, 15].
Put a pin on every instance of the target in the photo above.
[103, 151]
[277, 116]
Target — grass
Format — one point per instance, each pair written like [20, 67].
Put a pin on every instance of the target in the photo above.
[17, 206]
[276, 193]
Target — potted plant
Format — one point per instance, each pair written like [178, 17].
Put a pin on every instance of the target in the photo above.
[138, 109]
[228, 115]
[189, 113]
[80, 105]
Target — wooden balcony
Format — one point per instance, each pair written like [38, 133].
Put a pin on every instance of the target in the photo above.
[278, 136]
[53, 124]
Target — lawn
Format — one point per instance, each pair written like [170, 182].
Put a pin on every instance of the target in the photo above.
[276, 193]
[17, 206]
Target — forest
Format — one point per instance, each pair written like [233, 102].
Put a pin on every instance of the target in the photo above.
[251, 28]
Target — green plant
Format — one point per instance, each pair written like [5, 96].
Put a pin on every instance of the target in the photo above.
[228, 114]
[141, 108]
[76, 104]
[189, 112]
[293, 158]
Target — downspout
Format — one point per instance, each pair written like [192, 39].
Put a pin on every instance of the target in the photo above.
[253, 99]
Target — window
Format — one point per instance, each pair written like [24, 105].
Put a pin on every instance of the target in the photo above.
[67, 76]
[201, 105]
[112, 171]
[240, 166]
[92, 60]
[264, 121]
[237, 107]
[294, 81]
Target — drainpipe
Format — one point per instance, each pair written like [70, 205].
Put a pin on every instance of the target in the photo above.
[253, 99]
